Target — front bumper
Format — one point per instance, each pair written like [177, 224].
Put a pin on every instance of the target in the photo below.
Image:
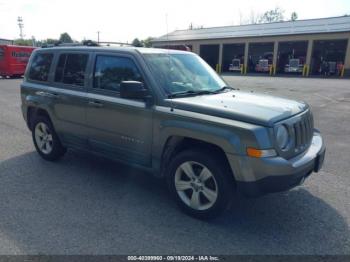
[259, 176]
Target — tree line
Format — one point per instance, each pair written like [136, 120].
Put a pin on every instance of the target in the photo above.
[66, 38]
[270, 16]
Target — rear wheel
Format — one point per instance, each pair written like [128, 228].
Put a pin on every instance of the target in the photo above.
[200, 184]
[46, 140]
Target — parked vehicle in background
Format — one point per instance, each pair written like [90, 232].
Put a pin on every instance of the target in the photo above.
[294, 66]
[169, 113]
[262, 66]
[14, 59]
[332, 65]
[236, 65]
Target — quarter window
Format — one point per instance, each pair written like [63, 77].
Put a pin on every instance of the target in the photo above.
[110, 71]
[71, 69]
[40, 67]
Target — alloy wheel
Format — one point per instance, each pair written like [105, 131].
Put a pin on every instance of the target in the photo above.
[43, 138]
[196, 185]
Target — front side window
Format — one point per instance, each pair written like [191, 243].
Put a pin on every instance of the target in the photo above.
[40, 67]
[71, 69]
[110, 71]
[183, 72]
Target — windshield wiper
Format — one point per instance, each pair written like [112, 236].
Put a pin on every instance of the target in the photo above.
[191, 93]
[223, 89]
[200, 92]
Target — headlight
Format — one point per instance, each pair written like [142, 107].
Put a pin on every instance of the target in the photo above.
[282, 136]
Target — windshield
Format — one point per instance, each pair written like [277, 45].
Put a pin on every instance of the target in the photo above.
[178, 73]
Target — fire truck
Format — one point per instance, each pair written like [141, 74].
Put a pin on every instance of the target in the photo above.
[14, 59]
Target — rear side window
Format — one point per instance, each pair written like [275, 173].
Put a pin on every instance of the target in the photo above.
[40, 67]
[111, 70]
[71, 69]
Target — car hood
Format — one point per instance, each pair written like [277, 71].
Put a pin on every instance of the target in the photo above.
[242, 106]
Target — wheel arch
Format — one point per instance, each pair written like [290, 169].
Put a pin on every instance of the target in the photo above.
[33, 112]
[176, 144]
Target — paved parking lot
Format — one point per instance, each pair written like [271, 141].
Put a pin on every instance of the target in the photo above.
[88, 205]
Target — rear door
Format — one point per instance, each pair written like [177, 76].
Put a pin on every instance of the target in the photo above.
[119, 127]
[70, 79]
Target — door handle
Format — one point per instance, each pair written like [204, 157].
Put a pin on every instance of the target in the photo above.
[95, 104]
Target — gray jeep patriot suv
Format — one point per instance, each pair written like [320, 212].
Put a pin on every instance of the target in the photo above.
[169, 113]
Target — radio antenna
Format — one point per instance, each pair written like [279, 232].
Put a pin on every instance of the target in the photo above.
[168, 52]
[167, 29]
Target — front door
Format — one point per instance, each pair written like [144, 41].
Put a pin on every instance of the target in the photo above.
[118, 127]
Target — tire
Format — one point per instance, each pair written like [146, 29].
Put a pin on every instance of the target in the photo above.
[45, 139]
[208, 194]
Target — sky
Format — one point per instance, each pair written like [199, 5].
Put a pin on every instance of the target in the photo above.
[122, 21]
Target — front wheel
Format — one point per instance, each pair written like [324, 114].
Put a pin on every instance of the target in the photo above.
[46, 140]
[201, 184]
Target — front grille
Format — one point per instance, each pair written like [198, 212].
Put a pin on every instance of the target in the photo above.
[303, 132]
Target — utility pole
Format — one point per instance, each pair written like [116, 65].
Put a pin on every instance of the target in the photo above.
[98, 36]
[33, 41]
[20, 25]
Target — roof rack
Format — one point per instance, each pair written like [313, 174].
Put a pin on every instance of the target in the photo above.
[86, 43]
[115, 43]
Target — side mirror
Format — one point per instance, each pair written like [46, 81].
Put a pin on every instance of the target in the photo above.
[133, 90]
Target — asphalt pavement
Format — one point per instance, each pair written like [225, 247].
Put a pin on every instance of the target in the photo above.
[88, 205]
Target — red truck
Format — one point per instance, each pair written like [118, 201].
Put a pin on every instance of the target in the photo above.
[14, 59]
